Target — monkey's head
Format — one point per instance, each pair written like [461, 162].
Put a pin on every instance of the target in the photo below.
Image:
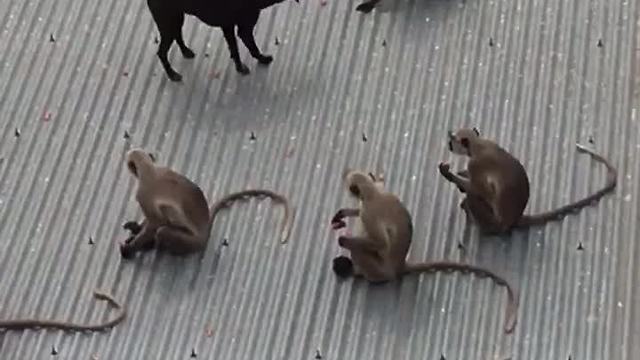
[460, 141]
[362, 185]
[137, 158]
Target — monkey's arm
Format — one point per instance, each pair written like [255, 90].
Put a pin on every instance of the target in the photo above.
[463, 173]
[337, 220]
[463, 184]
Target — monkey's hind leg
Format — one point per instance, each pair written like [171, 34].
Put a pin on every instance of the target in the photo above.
[482, 214]
[143, 241]
[372, 267]
[178, 241]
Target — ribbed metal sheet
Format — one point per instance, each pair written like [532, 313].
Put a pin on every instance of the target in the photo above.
[375, 91]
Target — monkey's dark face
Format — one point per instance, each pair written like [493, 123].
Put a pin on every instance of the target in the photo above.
[137, 158]
[355, 180]
[132, 167]
[460, 141]
[354, 190]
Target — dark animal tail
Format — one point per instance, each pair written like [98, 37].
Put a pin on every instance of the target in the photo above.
[62, 325]
[228, 199]
[557, 214]
[449, 266]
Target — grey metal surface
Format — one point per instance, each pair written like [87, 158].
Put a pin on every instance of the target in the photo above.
[399, 77]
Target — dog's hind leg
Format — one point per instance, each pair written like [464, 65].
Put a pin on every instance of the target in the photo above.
[245, 31]
[367, 6]
[168, 21]
[232, 43]
[186, 52]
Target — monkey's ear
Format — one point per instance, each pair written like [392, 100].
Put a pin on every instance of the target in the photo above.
[475, 130]
[464, 142]
[153, 158]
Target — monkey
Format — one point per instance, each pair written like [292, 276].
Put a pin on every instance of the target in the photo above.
[176, 216]
[382, 237]
[169, 18]
[68, 326]
[497, 187]
[367, 6]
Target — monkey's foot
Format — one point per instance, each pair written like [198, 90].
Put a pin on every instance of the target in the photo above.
[133, 227]
[126, 252]
[264, 59]
[342, 266]
[365, 7]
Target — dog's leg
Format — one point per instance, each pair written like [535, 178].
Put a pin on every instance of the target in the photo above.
[186, 52]
[168, 25]
[245, 31]
[163, 51]
[367, 6]
[230, 37]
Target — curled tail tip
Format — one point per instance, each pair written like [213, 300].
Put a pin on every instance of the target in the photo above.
[509, 328]
[100, 295]
[284, 238]
[583, 148]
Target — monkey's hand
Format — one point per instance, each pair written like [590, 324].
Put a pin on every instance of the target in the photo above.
[337, 221]
[133, 227]
[445, 169]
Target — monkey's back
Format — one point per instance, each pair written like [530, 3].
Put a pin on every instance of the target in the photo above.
[503, 173]
[397, 222]
[184, 192]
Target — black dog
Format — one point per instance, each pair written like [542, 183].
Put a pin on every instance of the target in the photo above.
[227, 14]
[367, 6]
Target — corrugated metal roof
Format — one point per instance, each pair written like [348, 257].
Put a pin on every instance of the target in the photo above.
[399, 77]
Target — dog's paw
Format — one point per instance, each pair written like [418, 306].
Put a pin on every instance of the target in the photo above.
[188, 53]
[242, 69]
[174, 76]
[365, 7]
[265, 59]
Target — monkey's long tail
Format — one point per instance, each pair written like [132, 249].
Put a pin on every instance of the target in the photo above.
[63, 325]
[449, 266]
[557, 214]
[228, 199]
